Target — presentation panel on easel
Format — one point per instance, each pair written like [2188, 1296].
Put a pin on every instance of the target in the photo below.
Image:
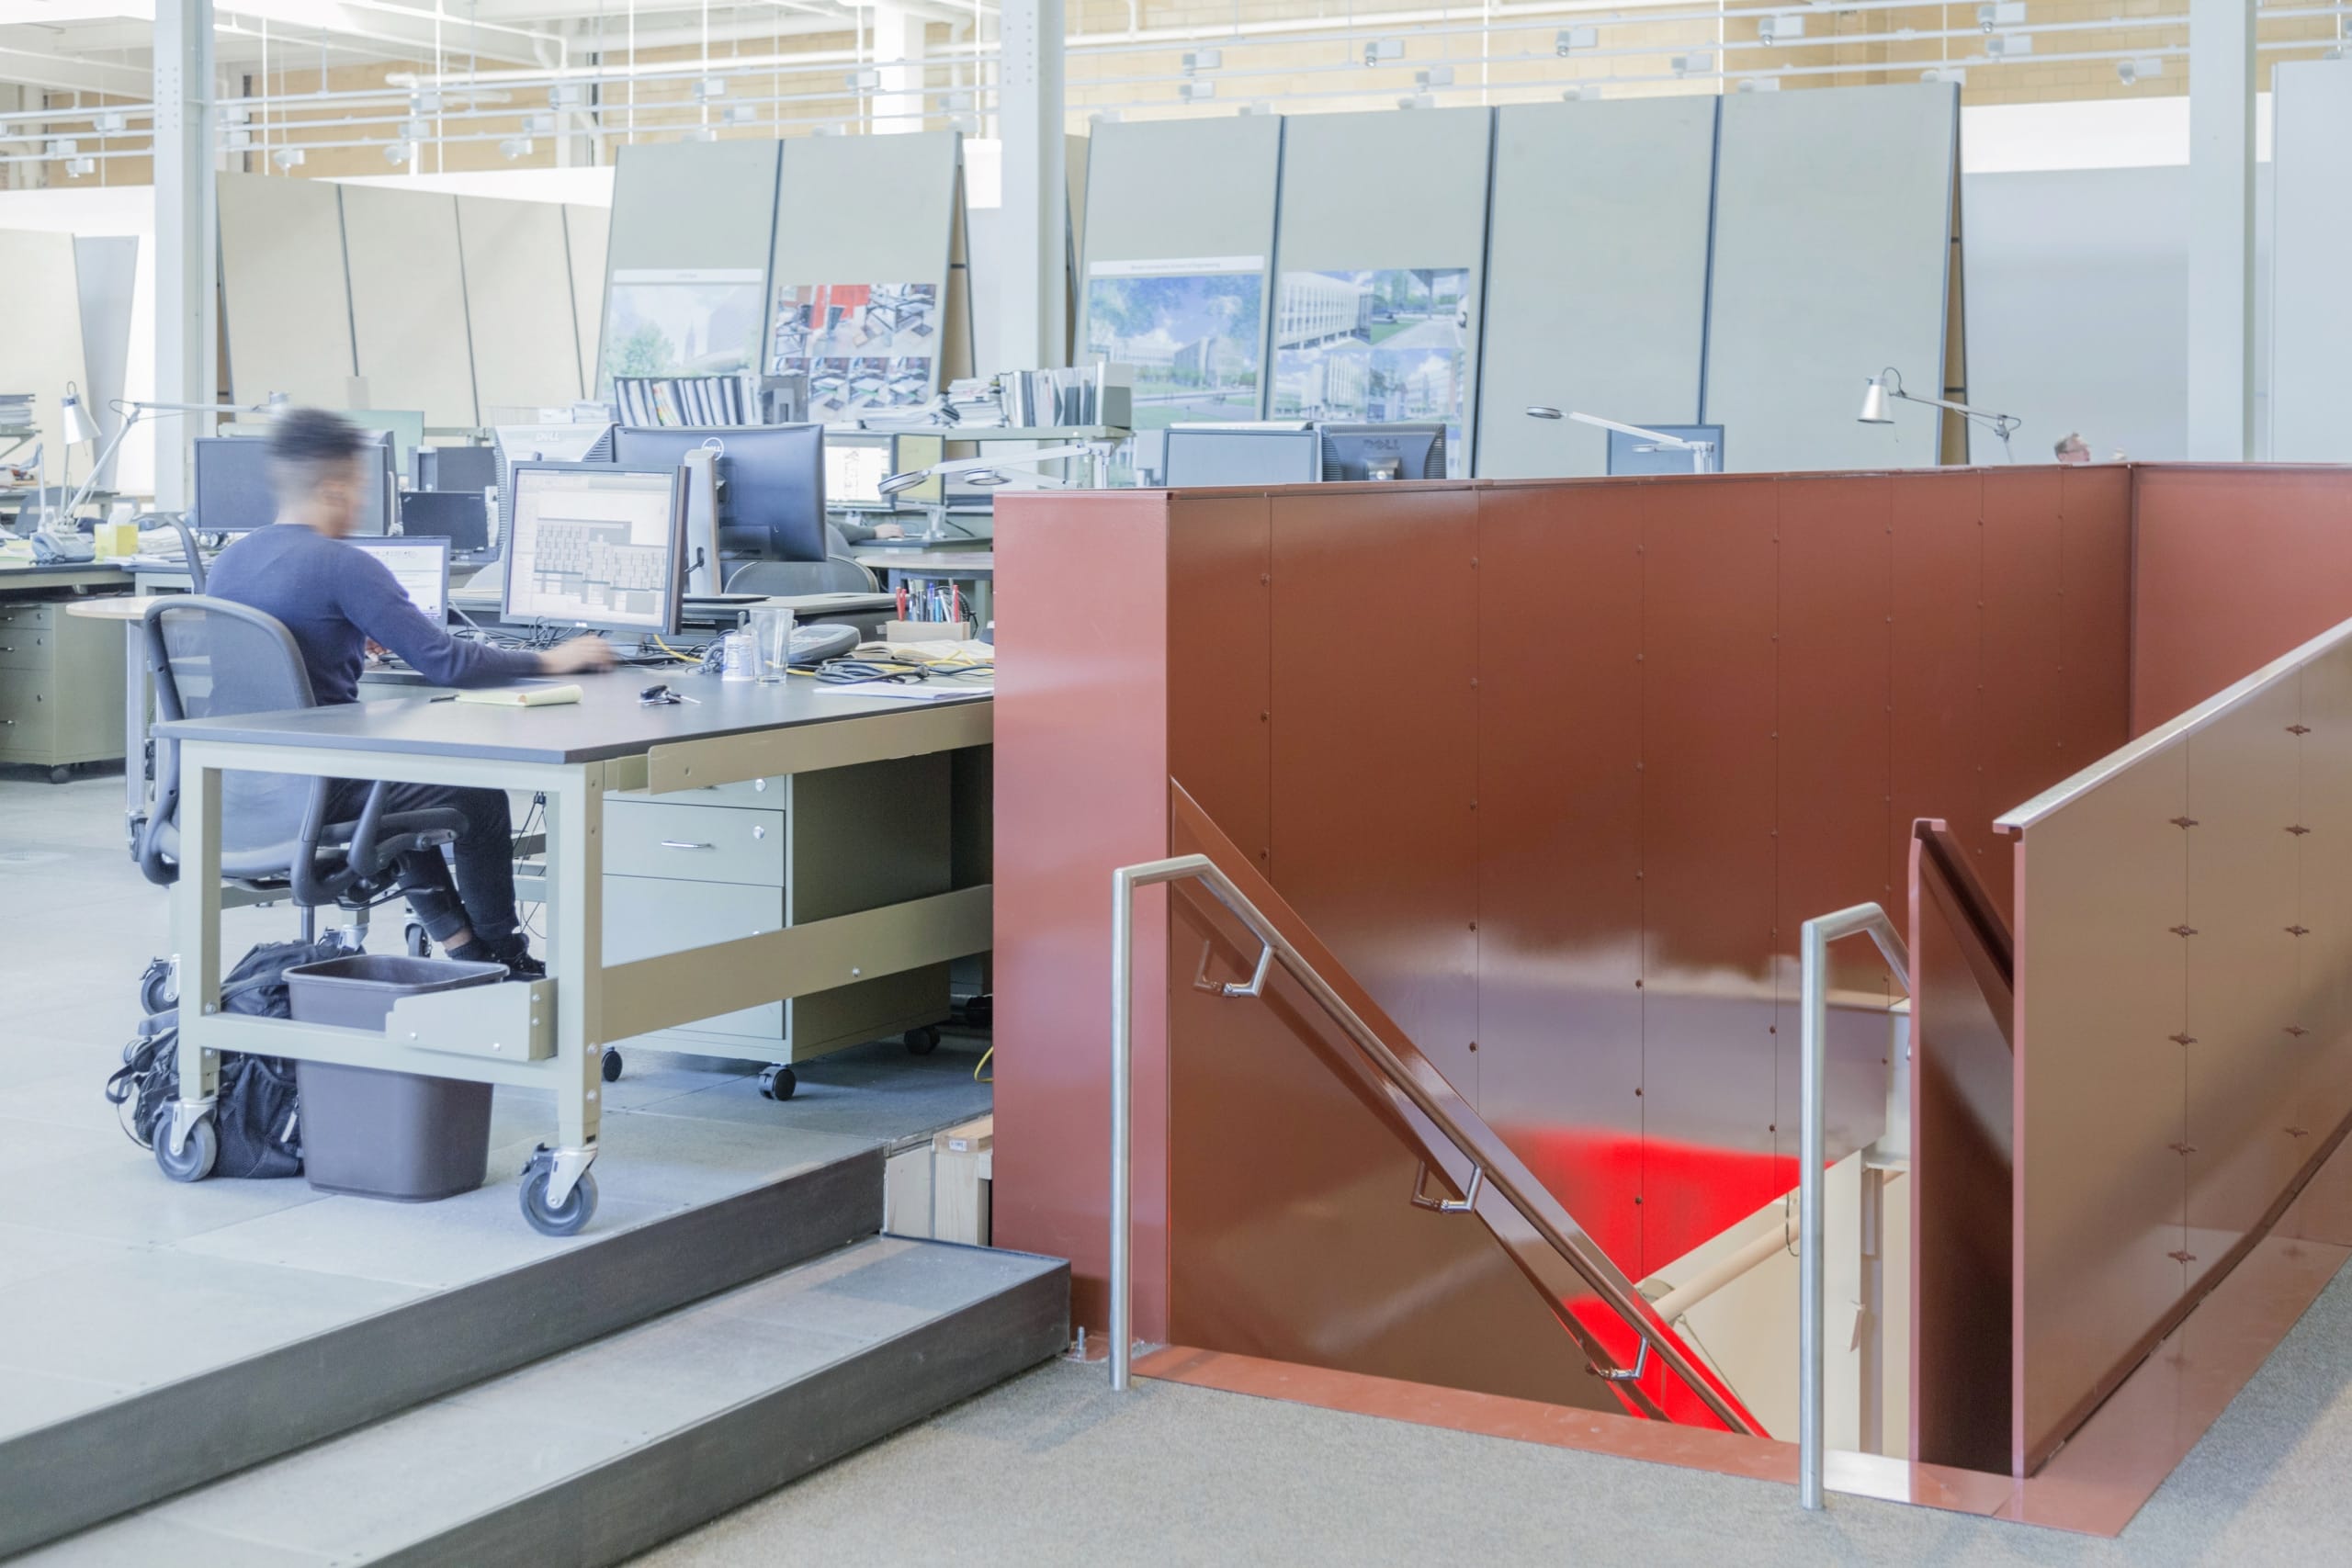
[686, 290]
[1179, 236]
[285, 299]
[1375, 308]
[1597, 280]
[860, 309]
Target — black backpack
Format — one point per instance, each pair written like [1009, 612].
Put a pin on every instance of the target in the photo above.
[256, 1115]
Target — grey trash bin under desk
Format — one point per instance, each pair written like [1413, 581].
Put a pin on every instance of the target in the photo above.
[373, 1133]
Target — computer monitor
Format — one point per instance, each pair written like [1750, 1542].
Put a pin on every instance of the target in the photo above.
[857, 461]
[596, 545]
[379, 485]
[1242, 455]
[461, 517]
[406, 427]
[1639, 454]
[587, 443]
[770, 482]
[420, 566]
[232, 489]
[1384, 451]
[455, 469]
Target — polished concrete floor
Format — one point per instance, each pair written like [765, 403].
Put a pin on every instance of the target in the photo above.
[91, 1236]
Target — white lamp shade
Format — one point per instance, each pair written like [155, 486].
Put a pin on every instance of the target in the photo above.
[1874, 403]
[73, 426]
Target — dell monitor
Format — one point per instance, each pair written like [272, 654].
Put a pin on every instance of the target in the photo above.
[232, 488]
[1630, 454]
[1384, 451]
[462, 517]
[421, 568]
[770, 482]
[456, 469]
[1199, 454]
[596, 545]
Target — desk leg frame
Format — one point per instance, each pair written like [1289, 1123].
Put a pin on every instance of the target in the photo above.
[575, 906]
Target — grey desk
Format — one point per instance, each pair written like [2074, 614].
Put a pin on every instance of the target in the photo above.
[616, 776]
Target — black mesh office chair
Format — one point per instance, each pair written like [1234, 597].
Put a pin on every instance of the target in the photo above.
[210, 658]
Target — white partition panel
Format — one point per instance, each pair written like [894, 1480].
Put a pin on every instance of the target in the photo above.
[519, 302]
[286, 300]
[2311, 235]
[408, 302]
[585, 231]
[1382, 247]
[41, 347]
[1596, 277]
[1833, 245]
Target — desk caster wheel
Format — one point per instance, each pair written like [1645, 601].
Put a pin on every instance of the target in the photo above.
[922, 1042]
[157, 990]
[59, 775]
[194, 1162]
[778, 1082]
[548, 1219]
[419, 944]
[612, 1065]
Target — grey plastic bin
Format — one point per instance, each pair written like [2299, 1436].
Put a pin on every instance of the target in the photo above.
[374, 1133]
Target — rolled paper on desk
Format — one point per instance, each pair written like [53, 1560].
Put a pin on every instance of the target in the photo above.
[522, 697]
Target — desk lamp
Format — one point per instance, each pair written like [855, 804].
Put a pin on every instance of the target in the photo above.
[1702, 452]
[74, 429]
[133, 412]
[983, 471]
[1887, 384]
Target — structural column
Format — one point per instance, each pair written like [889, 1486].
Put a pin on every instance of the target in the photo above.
[186, 224]
[2221, 230]
[898, 52]
[1036, 301]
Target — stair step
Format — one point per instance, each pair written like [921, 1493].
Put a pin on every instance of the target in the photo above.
[596, 1454]
[244, 1410]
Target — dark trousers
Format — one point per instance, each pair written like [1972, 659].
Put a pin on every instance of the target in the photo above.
[483, 897]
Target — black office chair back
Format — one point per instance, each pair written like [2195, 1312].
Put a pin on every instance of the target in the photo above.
[777, 578]
[212, 659]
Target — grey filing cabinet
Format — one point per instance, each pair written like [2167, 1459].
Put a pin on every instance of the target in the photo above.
[701, 867]
[61, 686]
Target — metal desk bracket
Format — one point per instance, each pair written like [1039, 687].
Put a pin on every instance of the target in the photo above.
[513, 1021]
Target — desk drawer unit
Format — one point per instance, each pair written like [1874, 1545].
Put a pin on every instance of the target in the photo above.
[60, 687]
[647, 916]
[18, 617]
[695, 843]
[26, 647]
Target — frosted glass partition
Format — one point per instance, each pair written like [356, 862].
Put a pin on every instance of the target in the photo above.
[2311, 233]
[1597, 278]
[286, 300]
[1833, 249]
[41, 349]
[519, 302]
[585, 231]
[407, 303]
[686, 262]
[860, 307]
[1383, 242]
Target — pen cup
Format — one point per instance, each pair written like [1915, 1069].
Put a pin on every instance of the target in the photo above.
[770, 629]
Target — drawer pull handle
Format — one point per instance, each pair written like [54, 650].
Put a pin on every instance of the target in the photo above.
[682, 844]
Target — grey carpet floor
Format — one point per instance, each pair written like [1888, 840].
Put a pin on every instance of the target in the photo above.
[1053, 1468]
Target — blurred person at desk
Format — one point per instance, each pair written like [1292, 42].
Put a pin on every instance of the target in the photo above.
[337, 600]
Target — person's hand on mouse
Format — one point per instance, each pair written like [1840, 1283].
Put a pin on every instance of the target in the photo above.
[580, 653]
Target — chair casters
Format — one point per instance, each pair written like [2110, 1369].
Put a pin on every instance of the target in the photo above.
[611, 1066]
[922, 1042]
[419, 944]
[545, 1215]
[778, 1082]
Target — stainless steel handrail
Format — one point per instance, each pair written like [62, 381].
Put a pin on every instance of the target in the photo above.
[1813, 946]
[1618, 1296]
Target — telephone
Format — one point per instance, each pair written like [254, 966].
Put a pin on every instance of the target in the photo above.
[54, 547]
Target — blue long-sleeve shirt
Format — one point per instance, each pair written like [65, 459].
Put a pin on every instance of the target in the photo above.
[333, 598]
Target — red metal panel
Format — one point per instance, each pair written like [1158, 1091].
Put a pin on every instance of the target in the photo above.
[1560, 844]
[2025, 715]
[1220, 620]
[2095, 622]
[2236, 565]
[1709, 568]
[1938, 700]
[1375, 747]
[1834, 785]
[1081, 786]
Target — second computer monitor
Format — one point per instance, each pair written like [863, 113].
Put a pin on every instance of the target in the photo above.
[596, 545]
[232, 489]
[455, 469]
[771, 479]
[857, 461]
[1242, 455]
[421, 568]
[1384, 451]
[462, 517]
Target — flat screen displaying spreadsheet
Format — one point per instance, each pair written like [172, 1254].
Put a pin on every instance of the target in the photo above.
[595, 545]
